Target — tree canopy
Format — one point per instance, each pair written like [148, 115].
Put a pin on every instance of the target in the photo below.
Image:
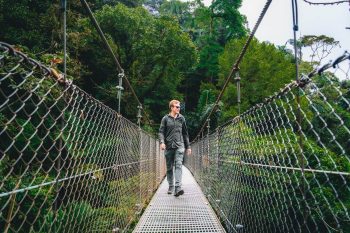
[169, 49]
[263, 71]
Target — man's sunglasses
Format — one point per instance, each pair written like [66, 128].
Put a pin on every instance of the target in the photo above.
[177, 106]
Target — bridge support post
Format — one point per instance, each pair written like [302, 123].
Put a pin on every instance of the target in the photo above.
[139, 116]
[150, 171]
[207, 159]
[63, 10]
[239, 152]
[120, 88]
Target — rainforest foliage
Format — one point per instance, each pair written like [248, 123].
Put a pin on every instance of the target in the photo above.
[169, 49]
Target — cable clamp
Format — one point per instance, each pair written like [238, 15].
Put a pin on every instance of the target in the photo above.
[121, 74]
[304, 80]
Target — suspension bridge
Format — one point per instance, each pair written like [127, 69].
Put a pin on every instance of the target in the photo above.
[69, 163]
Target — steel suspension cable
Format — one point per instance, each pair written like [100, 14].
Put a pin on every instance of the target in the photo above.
[254, 172]
[235, 66]
[298, 113]
[327, 3]
[69, 163]
[115, 59]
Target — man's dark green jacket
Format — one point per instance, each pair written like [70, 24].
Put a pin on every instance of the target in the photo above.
[173, 132]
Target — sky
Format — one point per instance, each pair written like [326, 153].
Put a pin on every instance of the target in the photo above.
[277, 25]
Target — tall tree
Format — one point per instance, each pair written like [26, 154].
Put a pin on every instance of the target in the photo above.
[153, 51]
[30, 23]
[264, 70]
[210, 28]
[232, 20]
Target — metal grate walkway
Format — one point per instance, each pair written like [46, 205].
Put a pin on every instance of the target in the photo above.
[187, 213]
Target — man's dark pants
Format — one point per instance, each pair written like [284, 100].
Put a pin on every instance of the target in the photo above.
[174, 156]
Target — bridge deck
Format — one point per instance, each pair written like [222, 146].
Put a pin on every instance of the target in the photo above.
[187, 213]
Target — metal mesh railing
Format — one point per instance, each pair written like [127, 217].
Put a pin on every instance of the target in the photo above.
[283, 165]
[68, 163]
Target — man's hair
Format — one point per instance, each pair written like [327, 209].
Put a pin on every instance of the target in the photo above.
[172, 102]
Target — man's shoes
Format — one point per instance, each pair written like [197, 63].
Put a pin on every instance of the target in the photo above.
[170, 190]
[179, 192]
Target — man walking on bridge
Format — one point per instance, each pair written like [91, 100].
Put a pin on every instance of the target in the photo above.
[173, 136]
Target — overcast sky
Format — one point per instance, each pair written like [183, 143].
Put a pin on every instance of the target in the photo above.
[276, 26]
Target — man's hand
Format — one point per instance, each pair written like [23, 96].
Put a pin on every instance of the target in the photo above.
[162, 146]
[189, 151]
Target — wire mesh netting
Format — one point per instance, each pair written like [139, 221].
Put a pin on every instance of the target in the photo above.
[283, 165]
[68, 163]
